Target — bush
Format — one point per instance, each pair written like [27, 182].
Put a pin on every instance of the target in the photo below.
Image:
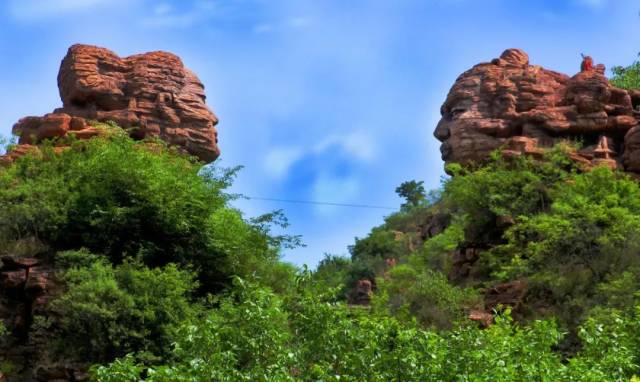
[332, 273]
[244, 339]
[122, 198]
[107, 312]
[414, 292]
[626, 77]
[257, 336]
[503, 188]
[589, 235]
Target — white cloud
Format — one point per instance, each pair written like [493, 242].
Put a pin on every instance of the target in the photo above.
[299, 22]
[291, 23]
[37, 9]
[333, 190]
[263, 28]
[164, 15]
[279, 160]
[162, 9]
[358, 144]
[594, 4]
[171, 20]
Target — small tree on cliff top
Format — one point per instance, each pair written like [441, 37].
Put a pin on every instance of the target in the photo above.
[413, 192]
[626, 77]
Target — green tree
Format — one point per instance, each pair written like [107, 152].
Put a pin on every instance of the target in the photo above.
[108, 311]
[626, 77]
[413, 192]
[332, 272]
[122, 198]
[409, 291]
[257, 336]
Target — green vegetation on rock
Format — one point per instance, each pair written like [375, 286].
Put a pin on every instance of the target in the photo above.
[120, 198]
[626, 77]
[158, 278]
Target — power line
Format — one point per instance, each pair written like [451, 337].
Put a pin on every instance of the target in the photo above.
[320, 203]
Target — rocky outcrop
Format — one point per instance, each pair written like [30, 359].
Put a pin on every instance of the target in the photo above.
[521, 109]
[27, 285]
[361, 294]
[508, 294]
[149, 95]
[511, 105]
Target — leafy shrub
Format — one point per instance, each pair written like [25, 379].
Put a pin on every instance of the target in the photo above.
[122, 198]
[244, 339]
[589, 235]
[414, 292]
[437, 250]
[503, 188]
[331, 272]
[109, 311]
[256, 336]
[626, 77]
[369, 255]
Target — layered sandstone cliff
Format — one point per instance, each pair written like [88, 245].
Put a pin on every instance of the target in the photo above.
[150, 95]
[511, 105]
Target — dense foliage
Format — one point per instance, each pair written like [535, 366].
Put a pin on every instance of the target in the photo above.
[108, 311]
[121, 198]
[256, 335]
[140, 234]
[161, 280]
[569, 233]
[626, 77]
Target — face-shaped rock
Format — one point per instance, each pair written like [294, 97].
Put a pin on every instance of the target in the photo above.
[151, 94]
[510, 104]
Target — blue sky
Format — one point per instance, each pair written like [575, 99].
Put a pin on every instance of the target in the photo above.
[331, 101]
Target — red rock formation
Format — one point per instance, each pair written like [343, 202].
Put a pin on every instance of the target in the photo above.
[33, 130]
[587, 64]
[362, 292]
[522, 108]
[27, 284]
[484, 319]
[16, 152]
[506, 295]
[150, 95]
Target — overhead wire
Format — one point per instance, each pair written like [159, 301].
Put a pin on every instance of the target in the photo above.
[312, 202]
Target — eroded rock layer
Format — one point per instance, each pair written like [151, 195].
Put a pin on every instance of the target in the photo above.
[511, 105]
[150, 95]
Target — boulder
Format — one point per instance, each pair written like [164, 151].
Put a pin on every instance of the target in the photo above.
[361, 294]
[508, 294]
[519, 108]
[150, 95]
[484, 319]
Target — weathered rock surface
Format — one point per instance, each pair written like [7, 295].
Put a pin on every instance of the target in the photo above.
[361, 294]
[520, 108]
[27, 285]
[150, 95]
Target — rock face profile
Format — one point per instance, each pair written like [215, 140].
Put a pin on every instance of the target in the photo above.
[150, 95]
[511, 105]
